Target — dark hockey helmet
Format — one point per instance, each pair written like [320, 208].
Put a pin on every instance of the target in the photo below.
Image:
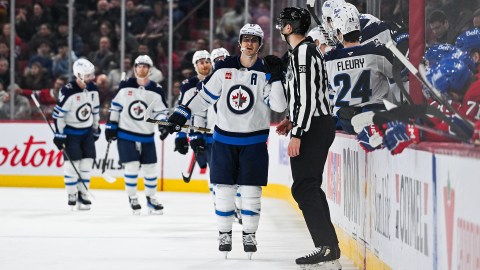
[298, 18]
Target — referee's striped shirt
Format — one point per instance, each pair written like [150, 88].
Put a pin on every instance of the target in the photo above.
[307, 86]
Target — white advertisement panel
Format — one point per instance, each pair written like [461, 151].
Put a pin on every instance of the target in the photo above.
[458, 216]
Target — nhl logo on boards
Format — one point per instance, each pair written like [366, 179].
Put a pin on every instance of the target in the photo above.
[240, 99]
[228, 75]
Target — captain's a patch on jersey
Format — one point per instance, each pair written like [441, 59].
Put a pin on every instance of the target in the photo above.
[228, 75]
[302, 69]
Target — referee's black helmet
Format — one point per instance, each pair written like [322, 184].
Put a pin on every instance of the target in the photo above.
[298, 18]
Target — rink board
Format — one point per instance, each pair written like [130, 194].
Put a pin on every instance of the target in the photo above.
[419, 205]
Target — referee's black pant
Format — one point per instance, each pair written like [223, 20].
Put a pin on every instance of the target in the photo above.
[307, 170]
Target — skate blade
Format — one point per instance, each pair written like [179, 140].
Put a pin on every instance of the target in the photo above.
[249, 255]
[331, 265]
[83, 207]
[226, 254]
[72, 207]
[136, 212]
[155, 212]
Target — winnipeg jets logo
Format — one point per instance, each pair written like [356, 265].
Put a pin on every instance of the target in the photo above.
[84, 112]
[137, 109]
[240, 99]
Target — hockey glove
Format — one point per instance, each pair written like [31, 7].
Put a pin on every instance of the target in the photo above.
[274, 67]
[96, 134]
[178, 118]
[111, 131]
[59, 140]
[197, 141]
[163, 132]
[398, 136]
[370, 138]
[181, 143]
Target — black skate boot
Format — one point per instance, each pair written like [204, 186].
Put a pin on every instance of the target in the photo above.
[134, 204]
[249, 244]
[83, 201]
[323, 257]
[225, 242]
[154, 207]
[72, 201]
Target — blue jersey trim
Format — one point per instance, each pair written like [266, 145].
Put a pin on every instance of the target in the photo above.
[240, 140]
[75, 131]
[248, 213]
[224, 214]
[210, 94]
[135, 138]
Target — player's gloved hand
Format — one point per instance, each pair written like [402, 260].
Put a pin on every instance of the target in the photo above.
[197, 141]
[398, 136]
[181, 143]
[275, 67]
[163, 132]
[179, 118]
[111, 131]
[96, 134]
[59, 140]
[370, 138]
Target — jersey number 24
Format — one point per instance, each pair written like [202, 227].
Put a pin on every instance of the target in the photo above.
[361, 89]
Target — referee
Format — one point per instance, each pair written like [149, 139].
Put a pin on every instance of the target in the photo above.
[312, 130]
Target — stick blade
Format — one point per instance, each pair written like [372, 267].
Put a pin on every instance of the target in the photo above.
[110, 179]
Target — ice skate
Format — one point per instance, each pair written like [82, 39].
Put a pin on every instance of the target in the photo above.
[238, 216]
[154, 207]
[322, 258]
[249, 244]
[72, 201]
[84, 202]
[225, 242]
[134, 204]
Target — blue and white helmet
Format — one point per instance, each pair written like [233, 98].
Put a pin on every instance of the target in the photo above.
[315, 34]
[346, 19]
[327, 12]
[251, 29]
[465, 57]
[84, 69]
[469, 40]
[451, 75]
[435, 53]
[219, 52]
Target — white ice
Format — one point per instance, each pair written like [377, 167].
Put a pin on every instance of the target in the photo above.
[38, 231]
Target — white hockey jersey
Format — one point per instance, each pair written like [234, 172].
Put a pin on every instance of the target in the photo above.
[373, 29]
[129, 106]
[359, 75]
[77, 110]
[244, 99]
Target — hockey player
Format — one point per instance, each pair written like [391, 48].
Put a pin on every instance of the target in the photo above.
[469, 42]
[312, 131]
[358, 74]
[218, 55]
[245, 89]
[76, 117]
[136, 145]
[319, 40]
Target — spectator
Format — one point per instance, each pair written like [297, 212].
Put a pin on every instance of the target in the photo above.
[105, 30]
[61, 37]
[115, 75]
[135, 21]
[44, 34]
[21, 105]
[35, 77]
[4, 50]
[476, 18]
[440, 26]
[155, 32]
[175, 93]
[200, 44]
[162, 60]
[43, 56]
[60, 60]
[5, 36]
[41, 15]
[103, 59]
[22, 25]
[131, 43]
[4, 71]
[105, 92]
[231, 21]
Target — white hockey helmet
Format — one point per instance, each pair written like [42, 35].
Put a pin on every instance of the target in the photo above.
[84, 69]
[143, 59]
[216, 53]
[346, 19]
[315, 34]
[203, 54]
[251, 29]
[327, 11]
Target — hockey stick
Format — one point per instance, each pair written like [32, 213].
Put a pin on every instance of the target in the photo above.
[146, 118]
[64, 152]
[106, 176]
[420, 75]
[311, 9]
[187, 178]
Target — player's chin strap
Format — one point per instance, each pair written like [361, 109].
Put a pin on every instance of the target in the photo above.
[242, 50]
